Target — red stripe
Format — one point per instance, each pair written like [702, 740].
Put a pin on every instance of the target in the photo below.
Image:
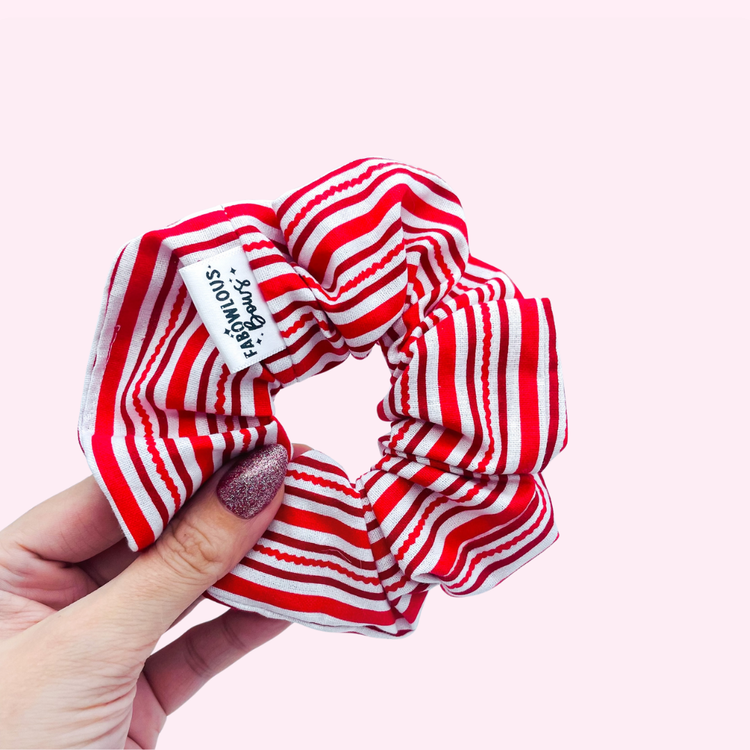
[485, 383]
[119, 488]
[298, 602]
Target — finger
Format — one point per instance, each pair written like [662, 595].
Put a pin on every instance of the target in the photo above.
[36, 549]
[202, 543]
[69, 527]
[75, 525]
[298, 449]
[110, 568]
[109, 563]
[46, 583]
[177, 671]
[17, 613]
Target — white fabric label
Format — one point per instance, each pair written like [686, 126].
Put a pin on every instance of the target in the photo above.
[231, 306]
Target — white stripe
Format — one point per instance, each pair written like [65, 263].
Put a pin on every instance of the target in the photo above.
[493, 388]
[311, 588]
[542, 385]
[320, 508]
[313, 567]
[562, 411]
[513, 405]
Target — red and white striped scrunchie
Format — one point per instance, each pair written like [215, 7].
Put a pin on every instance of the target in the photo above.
[375, 252]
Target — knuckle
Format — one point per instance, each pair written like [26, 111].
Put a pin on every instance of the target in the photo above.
[232, 636]
[5, 557]
[195, 661]
[15, 564]
[189, 551]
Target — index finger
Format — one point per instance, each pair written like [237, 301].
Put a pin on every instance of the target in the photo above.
[71, 526]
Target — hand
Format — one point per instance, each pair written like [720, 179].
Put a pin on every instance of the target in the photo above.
[80, 615]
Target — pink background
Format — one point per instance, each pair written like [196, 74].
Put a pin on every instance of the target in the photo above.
[603, 162]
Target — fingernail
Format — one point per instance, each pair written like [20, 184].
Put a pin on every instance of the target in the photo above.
[253, 481]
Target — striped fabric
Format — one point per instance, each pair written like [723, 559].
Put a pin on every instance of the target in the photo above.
[374, 253]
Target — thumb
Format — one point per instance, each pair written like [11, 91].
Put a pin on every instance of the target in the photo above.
[201, 544]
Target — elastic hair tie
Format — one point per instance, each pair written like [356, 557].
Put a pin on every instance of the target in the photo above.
[184, 369]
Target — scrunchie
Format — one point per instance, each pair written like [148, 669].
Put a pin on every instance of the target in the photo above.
[373, 253]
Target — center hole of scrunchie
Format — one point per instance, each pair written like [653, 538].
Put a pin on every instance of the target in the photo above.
[336, 412]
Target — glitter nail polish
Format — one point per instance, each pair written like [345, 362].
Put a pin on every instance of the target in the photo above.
[253, 481]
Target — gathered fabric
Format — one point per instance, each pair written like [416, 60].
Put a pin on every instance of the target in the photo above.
[374, 253]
